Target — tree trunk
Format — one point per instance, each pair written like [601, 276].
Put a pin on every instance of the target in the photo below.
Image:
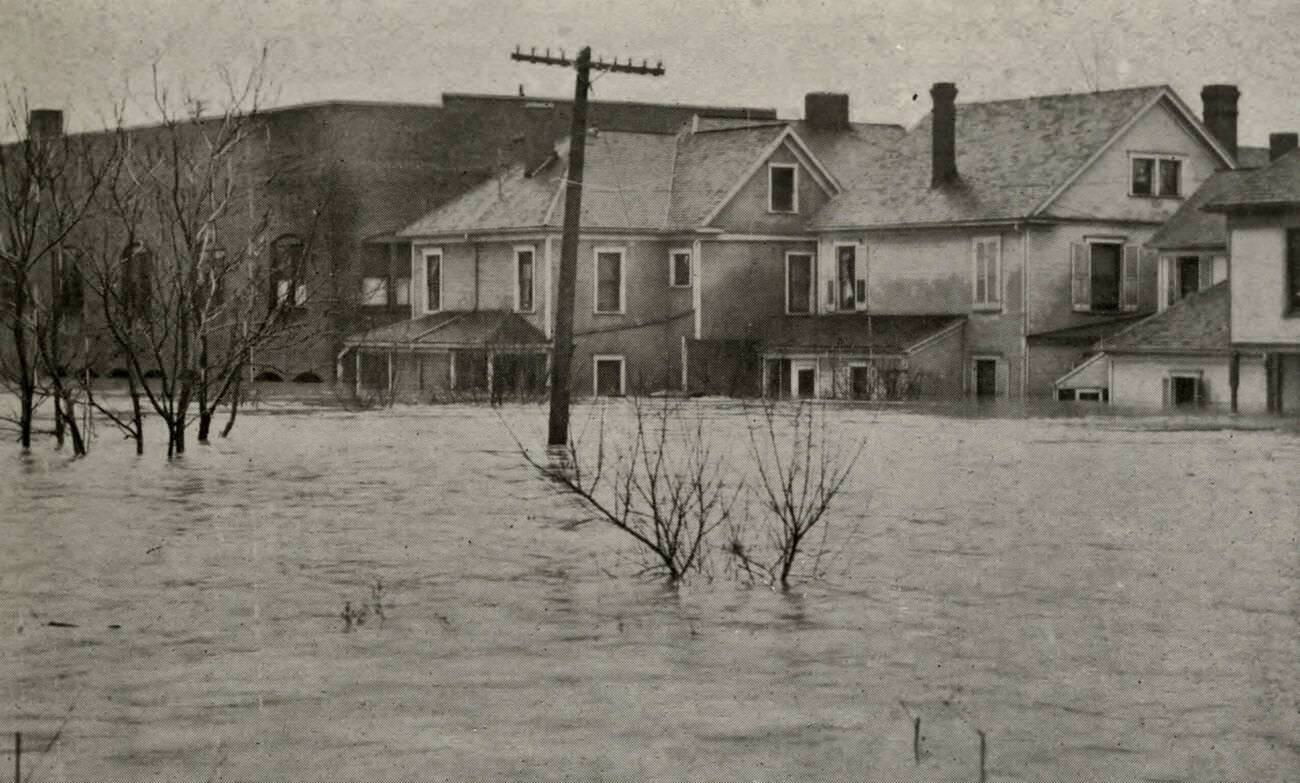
[59, 429]
[25, 405]
[234, 408]
[137, 415]
[69, 416]
[205, 424]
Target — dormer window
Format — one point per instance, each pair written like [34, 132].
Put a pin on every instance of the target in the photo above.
[782, 188]
[1156, 176]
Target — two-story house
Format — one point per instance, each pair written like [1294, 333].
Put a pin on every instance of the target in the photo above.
[1026, 218]
[687, 240]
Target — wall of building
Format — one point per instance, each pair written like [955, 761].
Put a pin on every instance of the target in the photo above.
[1102, 191]
[1259, 307]
[743, 285]
[1137, 381]
[938, 368]
[1048, 362]
[1050, 303]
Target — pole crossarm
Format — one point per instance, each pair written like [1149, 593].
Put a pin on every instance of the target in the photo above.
[546, 58]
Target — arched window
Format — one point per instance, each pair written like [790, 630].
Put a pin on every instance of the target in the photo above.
[287, 278]
[269, 376]
[306, 377]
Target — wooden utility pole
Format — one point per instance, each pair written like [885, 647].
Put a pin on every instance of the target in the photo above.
[562, 354]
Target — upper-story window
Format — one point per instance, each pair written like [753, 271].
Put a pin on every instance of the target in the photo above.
[1185, 275]
[136, 277]
[848, 289]
[1156, 176]
[432, 280]
[799, 283]
[782, 187]
[288, 284]
[986, 270]
[525, 277]
[609, 280]
[1293, 272]
[679, 268]
[1105, 275]
[70, 297]
[374, 291]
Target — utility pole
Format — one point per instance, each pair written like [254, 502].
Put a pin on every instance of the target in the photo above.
[562, 355]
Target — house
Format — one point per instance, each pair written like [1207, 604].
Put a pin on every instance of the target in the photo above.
[1025, 218]
[1263, 222]
[1180, 357]
[688, 240]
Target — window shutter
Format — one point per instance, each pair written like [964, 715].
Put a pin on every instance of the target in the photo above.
[1165, 391]
[993, 270]
[1132, 283]
[1080, 280]
[860, 283]
[1171, 279]
[977, 294]
[1147, 294]
[1206, 272]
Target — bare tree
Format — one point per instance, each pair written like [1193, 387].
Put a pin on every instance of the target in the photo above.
[662, 484]
[48, 186]
[188, 277]
[802, 467]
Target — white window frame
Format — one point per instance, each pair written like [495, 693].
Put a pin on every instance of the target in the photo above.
[672, 267]
[425, 254]
[858, 259]
[532, 251]
[622, 280]
[1155, 158]
[812, 281]
[366, 290]
[596, 359]
[794, 196]
[1121, 243]
[992, 294]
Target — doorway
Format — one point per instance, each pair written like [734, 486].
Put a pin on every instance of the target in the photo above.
[804, 379]
[1186, 391]
[859, 383]
[986, 378]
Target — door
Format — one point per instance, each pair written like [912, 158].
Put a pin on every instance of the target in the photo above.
[1189, 275]
[859, 383]
[803, 379]
[1185, 391]
[986, 378]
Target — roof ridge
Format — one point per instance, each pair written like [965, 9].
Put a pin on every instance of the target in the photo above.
[1045, 96]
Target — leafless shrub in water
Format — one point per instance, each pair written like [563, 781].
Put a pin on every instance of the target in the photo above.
[664, 486]
[801, 468]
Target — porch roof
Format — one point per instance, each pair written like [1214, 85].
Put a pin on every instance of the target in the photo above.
[1087, 334]
[854, 332]
[481, 329]
[1198, 323]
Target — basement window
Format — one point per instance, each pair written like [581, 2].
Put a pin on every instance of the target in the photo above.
[782, 188]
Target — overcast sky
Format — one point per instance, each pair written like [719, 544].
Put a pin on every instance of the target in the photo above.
[77, 54]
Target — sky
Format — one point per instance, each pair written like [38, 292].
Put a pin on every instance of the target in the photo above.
[83, 55]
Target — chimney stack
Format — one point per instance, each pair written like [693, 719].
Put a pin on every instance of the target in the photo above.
[539, 135]
[44, 124]
[826, 111]
[1280, 144]
[1219, 111]
[943, 124]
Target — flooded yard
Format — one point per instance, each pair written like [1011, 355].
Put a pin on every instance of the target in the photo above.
[1098, 599]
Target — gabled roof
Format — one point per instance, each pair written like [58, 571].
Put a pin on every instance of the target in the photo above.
[1276, 185]
[460, 328]
[1198, 323]
[646, 181]
[1013, 158]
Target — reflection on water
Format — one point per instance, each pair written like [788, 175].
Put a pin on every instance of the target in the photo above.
[1102, 598]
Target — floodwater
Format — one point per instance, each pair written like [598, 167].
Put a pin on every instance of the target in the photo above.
[1099, 599]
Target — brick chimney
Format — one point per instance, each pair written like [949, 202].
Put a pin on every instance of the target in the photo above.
[943, 125]
[1219, 102]
[539, 135]
[44, 124]
[826, 111]
[1280, 144]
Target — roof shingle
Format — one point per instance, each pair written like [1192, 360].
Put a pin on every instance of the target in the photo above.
[1277, 184]
[1197, 323]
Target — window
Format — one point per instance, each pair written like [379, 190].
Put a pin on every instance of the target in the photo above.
[432, 281]
[850, 284]
[1293, 272]
[608, 376]
[1156, 176]
[374, 291]
[1106, 275]
[524, 276]
[212, 285]
[804, 379]
[1184, 389]
[798, 283]
[402, 291]
[986, 259]
[609, 280]
[288, 288]
[136, 277]
[70, 298]
[782, 188]
[679, 269]
[1185, 275]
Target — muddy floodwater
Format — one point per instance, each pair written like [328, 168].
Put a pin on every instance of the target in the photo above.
[1098, 598]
